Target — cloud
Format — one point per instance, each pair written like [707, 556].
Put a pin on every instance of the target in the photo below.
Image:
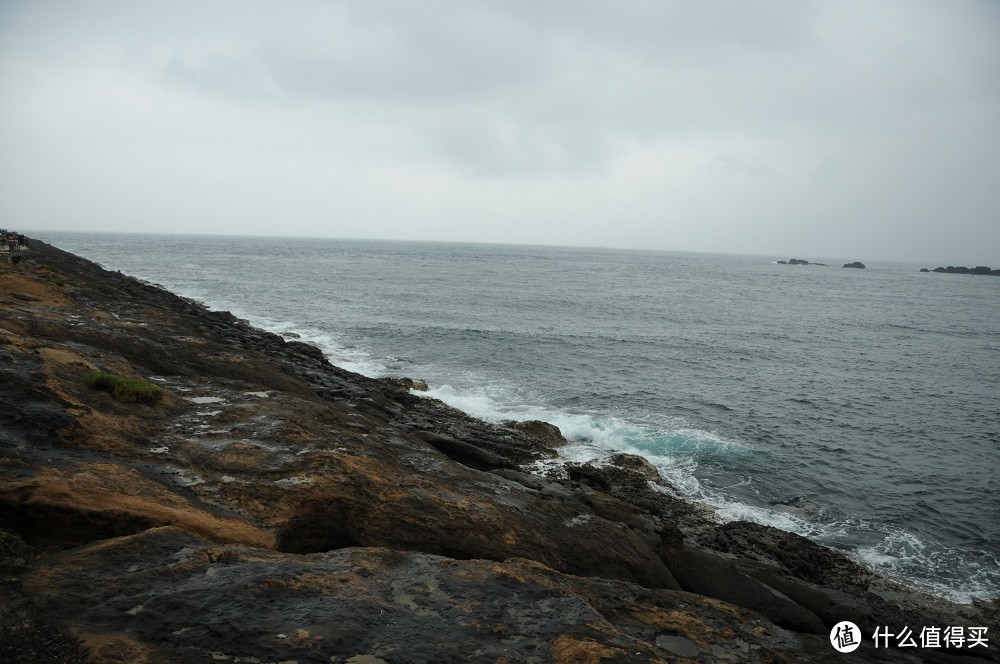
[735, 126]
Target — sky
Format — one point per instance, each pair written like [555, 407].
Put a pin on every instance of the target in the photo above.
[861, 129]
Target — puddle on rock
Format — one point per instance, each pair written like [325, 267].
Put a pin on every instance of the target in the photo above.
[204, 400]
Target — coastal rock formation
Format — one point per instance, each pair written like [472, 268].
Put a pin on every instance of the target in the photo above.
[799, 261]
[267, 506]
[980, 270]
[545, 434]
[189, 599]
[856, 264]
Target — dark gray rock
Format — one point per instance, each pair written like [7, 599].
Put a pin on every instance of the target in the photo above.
[544, 433]
[831, 606]
[464, 453]
[707, 574]
[982, 270]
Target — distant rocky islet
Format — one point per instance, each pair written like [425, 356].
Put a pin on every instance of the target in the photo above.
[951, 269]
[799, 261]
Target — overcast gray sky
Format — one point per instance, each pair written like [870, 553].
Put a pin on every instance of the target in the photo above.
[864, 129]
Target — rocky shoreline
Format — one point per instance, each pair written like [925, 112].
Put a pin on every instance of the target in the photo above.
[267, 506]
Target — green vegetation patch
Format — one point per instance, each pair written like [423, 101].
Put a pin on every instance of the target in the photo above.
[126, 390]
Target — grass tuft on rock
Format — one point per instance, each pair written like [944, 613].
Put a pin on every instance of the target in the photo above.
[62, 281]
[126, 390]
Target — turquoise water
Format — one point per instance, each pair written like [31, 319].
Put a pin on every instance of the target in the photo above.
[860, 408]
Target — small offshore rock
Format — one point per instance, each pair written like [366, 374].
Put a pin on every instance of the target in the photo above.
[979, 269]
[856, 264]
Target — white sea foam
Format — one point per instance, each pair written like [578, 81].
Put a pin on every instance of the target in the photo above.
[947, 571]
[346, 356]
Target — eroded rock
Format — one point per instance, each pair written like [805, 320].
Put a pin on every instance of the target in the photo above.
[168, 595]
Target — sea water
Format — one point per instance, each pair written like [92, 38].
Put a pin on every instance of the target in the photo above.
[860, 408]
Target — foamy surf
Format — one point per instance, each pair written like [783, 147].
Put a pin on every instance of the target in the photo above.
[679, 452]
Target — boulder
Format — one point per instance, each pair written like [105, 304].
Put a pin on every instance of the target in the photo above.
[545, 434]
[636, 463]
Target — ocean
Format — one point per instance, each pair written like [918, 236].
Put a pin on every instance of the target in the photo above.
[860, 408]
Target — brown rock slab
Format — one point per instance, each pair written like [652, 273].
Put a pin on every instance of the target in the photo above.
[86, 502]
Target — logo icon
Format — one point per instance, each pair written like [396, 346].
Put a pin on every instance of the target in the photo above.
[845, 636]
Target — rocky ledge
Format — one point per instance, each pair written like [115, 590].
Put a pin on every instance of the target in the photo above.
[177, 486]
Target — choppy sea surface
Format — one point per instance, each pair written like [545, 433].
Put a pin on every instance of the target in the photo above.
[860, 408]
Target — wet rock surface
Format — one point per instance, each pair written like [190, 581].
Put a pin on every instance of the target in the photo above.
[272, 507]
